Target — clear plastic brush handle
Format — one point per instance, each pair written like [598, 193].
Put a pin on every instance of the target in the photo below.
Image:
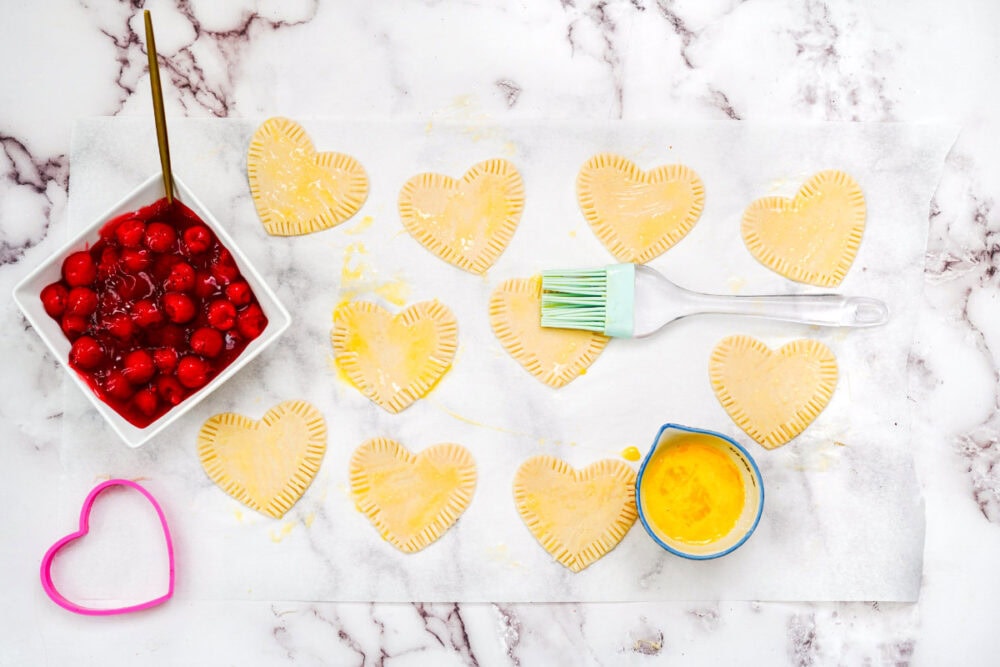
[658, 302]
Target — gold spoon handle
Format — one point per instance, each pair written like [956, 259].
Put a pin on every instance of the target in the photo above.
[158, 114]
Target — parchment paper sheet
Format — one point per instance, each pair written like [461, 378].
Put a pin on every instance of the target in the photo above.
[843, 517]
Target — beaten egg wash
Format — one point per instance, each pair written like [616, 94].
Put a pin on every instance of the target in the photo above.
[692, 492]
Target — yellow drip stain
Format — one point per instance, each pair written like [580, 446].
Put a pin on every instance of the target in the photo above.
[498, 429]
[572, 233]
[239, 515]
[364, 224]
[736, 284]
[283, 532]
[631, 454]
[354, 267]
[308, 521]
[395, 292]
[500, 553]
[359, 279]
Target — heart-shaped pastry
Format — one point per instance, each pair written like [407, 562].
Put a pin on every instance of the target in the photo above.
[412, 499]
[554, 356]
[394, 360]
[267, 465]
[812, 238]
[636, 214]
[84, 528]
[773, 396]
[297, 190]
[576, 515]
[467, 222]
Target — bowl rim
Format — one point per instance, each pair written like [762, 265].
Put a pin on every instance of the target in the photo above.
[149, 190]
[756, 474]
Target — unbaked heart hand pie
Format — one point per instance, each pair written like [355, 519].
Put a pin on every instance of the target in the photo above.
[412, 499]
[578, 516]
[297, 190]
[636, 214]
[554, 356]
[394, 359]
[466, 222]
[267, 465]
[813, 237]
[772, 395]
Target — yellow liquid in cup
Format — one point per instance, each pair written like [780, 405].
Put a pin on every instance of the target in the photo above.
[692, 492]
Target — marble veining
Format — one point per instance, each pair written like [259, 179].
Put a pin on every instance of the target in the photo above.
[753, 60]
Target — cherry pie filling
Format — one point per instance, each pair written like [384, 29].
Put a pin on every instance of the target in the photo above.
[154, 310]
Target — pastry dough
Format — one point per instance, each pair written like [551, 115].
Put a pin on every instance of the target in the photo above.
[412, 499]
[297, 190]
[773, 396]
[638, 215]
[554, 356]
[267, 465]
[469, 222]
[394, 360]
[576, 515]
[812, 238]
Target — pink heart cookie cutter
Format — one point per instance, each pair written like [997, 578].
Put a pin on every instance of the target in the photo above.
[46, 569]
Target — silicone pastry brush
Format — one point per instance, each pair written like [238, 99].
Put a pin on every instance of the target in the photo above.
[633, 301]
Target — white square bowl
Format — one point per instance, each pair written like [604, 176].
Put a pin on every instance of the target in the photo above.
[27, 296]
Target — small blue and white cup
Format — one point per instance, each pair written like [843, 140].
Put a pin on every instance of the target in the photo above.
[753, 487]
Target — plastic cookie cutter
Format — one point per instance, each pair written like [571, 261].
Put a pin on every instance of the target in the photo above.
[46, 569]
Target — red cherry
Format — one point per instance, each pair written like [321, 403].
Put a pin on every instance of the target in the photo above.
[192, 372]
[110, 227]
[239, 293]
[165, 359]
[136, 259]
[178, 307]
[181, 278]
[224, 273]
[146, 401]
[222, 314]
[251, 322]
[197, 239]
[169, 389]
[139, 367]
[78, 269]
[119, 325]
[73, 326]
[204, 284]
[146, 313]
[86, 353]
[54, 298]
[207, 342]
[224, 268]
[82, 301]
[130, 233]
[117, 386]
[160, 237]
[108, 264]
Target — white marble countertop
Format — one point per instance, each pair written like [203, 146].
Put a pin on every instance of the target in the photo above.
[754, 60]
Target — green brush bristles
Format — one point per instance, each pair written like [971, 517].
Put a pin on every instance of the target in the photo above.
[591, 299]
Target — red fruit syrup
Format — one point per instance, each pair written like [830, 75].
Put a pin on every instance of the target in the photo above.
[156, 308]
